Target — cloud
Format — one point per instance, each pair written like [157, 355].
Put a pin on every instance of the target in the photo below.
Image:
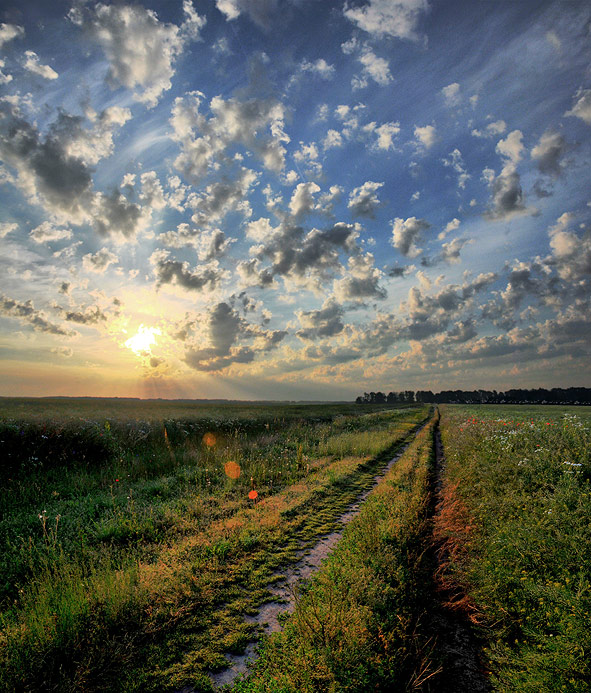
[332, 140]
[571, 254]
[221, 197]
[261, 12]
[385, 133]
[361, 281]
[406, 233]
[47, 232]
[450, 252]
[456, 162]
[99, 262]
[492, 129]
[377, 69]
[26, 313]
[305, 257]
[8, 32]
[395, 18]
[548, 154]
[91, 316]
[32, 64]
[89, 145]
[363, 201]
[115, 214]
[140, 49]
[582, 108]
[257, 124]
[320, 67]
[6, 228]
[511, 147]
[425, 135]
[451, 94]
[302, 201]
[178, 273]
[318, 324]
[223, 326]
[45, 171]
[450, 226]
[507, 194]
[4, 79]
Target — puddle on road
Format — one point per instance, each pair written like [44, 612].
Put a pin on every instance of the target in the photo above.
[307, 562]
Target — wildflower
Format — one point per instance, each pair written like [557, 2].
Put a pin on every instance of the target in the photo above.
[253, 495]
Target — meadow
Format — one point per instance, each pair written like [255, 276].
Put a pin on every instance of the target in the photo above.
[514, 534]
[139, 538]
[135, 536]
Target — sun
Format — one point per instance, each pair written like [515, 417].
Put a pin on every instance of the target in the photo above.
[141, 343]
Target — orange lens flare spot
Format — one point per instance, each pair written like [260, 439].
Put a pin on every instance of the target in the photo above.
[209, 439]
[232, 470]
[253, 495]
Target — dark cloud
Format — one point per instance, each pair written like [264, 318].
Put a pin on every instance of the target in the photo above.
[175, 272]
[549, 152]
[25, 312]
[91, 316]
[326, 322]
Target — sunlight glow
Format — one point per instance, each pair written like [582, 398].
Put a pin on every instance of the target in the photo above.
[142, 342]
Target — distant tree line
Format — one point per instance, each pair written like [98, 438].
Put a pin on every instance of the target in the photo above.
[557, 395]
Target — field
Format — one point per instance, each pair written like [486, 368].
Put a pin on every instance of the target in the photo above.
[139, 539]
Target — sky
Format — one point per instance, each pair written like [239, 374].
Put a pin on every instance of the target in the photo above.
[294, 199]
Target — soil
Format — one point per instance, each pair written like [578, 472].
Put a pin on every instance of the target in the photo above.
[455, 642]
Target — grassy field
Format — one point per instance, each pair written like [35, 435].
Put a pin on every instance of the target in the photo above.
[516, 525]
[130, 549]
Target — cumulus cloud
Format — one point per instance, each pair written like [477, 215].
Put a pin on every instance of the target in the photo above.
[6, 228]
[47, 232]
[319, 67]
[140, 49]
[363, 201]
[222, 197]
[582, 107]
[304, 257]
[32, 64]
[302, 201]
[8, 32]
[375, 68]
[115, 214]
[396, 18]
[26, 313]
[90, 316]
[449, 227]
[318, 324]
[45, 172]
[406, 233]
[450, 252]
[361, 280]
[89, 144]
[507, 194]
[491, 130]
[170, 271]
[224, 326]
[456, 162]
[451, 94]
[548, 154]
[332, 140]
[571, 254]
[426, 135]
[261, 12]
[257, 124]
[99, 262]
[385, 134]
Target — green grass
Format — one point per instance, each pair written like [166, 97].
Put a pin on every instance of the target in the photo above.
[124, 540]
[523, 476]
[355, 625]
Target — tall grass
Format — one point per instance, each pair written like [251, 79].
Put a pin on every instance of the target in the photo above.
[524, 477]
